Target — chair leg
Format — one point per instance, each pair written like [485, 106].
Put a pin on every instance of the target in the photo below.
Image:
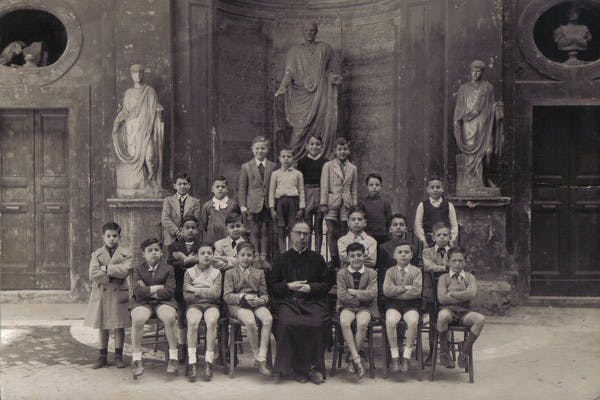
[420, 352]
[371, 355]
[223, 345]
[433, 352]
[156, 337]
[232, 350]
[335, 350]
[471, 369]
[452, 344]
[386, 351]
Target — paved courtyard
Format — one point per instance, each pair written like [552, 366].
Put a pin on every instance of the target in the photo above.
[535, 353]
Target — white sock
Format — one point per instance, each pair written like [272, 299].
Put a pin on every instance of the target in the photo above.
[395, 352]
[173, 354]
[192, 355]
[209, 356]
[262, 355]
[407, 352]
[136, 356]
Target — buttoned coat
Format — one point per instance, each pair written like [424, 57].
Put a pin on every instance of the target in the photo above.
[234, 290]
[171, 216]
[254, 190]
[107, 308]
[339, 186]
[365, 299]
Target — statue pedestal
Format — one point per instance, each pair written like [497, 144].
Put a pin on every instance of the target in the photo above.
[482, 232]
[129, 185]
[139, 220]
[468, 185]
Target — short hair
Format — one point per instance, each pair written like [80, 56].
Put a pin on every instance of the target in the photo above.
[477, 64]
[400, 216]
[355, 246]
[189, 218]
[232, 217]
[182, 175]
[220, 178]
[374, 175]
[341, 142]
[404, 243]
[439, 225]
[357, 209]
[259, 139]
[300, 222]
[206, 244]
[136, 68]
[320, 139]
[244, 245]
[150, 242]
[456, 249]
[111, 226]
[286, 148]
[434, 177]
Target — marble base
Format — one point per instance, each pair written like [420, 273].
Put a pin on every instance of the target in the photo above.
[139, 220]
[482, 232]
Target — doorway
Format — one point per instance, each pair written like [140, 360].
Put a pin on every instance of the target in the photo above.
[565, 220]
[34, 202]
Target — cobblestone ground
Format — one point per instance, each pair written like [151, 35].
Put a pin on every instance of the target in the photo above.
[540, 354]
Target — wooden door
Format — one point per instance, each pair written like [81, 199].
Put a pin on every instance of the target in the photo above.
[34, 245]
[566, 201]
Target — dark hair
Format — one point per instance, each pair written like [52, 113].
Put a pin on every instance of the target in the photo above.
[182, 175]
[456, 249]
[397, 215]
[357, 209]
[206, 244]
[189, 218]
[220, 178]
[374, 175]
[150, 242]
[232, 217]
[111, 226]
[355, 246]
[244, 245]
[286, 148]
[434, 177]
[320, 139]
[404, 243]
[439, 225]
[341, 142]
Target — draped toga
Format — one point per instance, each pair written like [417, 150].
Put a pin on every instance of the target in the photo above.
[311, 100]
[139, 139]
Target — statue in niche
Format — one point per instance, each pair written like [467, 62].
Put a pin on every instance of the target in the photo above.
[478, 129]
[137, 134]
[10, 52]
[311, 91]
[572, 37]
[34, 55]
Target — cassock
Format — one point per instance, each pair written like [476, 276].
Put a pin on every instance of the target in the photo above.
[302, 321]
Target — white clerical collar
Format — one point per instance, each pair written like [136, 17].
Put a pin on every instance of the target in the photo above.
[220, 204]
[314, 157]
[263, 162]
[436, 203]
[360, 271]
[300, 251]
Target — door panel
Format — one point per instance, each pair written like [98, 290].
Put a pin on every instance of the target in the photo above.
[34, 204]
[566, 201]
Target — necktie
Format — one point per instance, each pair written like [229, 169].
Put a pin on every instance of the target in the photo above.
[233, 243]
[181, 206]
[441, 251]
[455, 276]
[261, 169]
[245, 280]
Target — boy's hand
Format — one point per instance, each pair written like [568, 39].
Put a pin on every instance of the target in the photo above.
[273, 214]
[141, 283]
[255, 301]
[191, 259]
[300, 213]
[244, 210]
[323, 208]
[179, 256]
[296, 285]
[305, 288]
[352, 291]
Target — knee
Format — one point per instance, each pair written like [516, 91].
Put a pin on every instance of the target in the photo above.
[479, 320]
[168, 318]
[345, 322]
[444, 316]
[267, 320]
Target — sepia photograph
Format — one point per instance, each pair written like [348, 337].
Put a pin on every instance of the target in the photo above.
[300, 199]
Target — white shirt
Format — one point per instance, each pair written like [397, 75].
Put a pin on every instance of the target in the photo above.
[263, 162]
[220, 204]
[360, 271]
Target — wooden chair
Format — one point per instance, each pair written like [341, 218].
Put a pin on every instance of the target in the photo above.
[338, 345]
[454, 344]
[232, 327]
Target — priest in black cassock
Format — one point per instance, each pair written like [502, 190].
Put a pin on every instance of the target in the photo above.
[299, 285]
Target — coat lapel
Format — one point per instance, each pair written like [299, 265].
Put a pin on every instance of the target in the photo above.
[364, 280]
[338, 170]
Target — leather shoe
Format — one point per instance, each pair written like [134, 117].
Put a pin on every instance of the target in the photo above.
[119, 363]
[350, 364]
[192, 372]
[316, 376]
[101, 362]
[262, 367]
[405, 365]
[359, 369]
[446, 360]
[301, 379]
[138, 369]
[208, 371]
[395, 365]
[172, 367]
